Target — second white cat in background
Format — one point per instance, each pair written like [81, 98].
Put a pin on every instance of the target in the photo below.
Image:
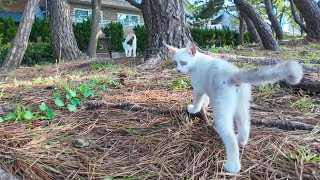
[130, 45]
[229, 92]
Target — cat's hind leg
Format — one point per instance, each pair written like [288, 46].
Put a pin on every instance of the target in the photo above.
[129, 51]
[126, 51]
[224, 105]
[242, 114]
[134, 48]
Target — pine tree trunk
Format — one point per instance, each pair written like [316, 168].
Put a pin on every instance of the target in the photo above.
[20, 42]
[63, 40]
[262, 27]
[251, 29]
[273, 19]
[311, 14]
[94, 35]
[303, 27]
[241, 30]
[165, 23]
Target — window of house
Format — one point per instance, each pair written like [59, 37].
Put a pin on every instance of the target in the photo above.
[84, 14]
[129, 19]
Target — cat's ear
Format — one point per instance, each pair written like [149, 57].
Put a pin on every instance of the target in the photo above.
[172, 50]
[191, 48]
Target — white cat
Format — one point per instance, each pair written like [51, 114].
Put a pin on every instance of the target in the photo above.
[130, 45]
[229, 90]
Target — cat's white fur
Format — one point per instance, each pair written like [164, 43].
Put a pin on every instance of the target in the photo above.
[131, 48]
[229, 89]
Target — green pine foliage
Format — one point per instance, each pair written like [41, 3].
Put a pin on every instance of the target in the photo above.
[82, 33]
[216, 37]
[8, 30]
[142, 37]
[115, 36]
[36, 53]
[40, 31]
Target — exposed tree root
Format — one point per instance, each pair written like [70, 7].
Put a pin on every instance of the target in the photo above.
[92, 104]
[307, 84]
[283, 124]
[280, 124]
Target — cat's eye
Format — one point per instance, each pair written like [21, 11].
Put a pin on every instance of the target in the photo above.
[175, 63]
[183, 63]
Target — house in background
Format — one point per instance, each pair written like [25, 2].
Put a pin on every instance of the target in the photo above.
[15, 10]
[222, 20]
[111, 10]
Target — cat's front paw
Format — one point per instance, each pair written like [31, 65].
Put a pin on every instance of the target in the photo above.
[232, 167]
[191, 109]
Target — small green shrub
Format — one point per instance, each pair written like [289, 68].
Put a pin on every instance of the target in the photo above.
[216, 37]
[72, 97]
[40, 31]
[24, 113]
[82, 33]
[3, 52]
[115, 35]
[8, 30]
[36, 53]
[181, 83]
[1, 38]
[142, 37]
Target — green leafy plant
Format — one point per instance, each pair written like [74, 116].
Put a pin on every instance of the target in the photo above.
[267, 88]
[102, 66]
[23, 113]
[304, 154]
[49, 112]
[102, 82]
[303, 102]
[86, 91]
[71, 98]
[181, 83]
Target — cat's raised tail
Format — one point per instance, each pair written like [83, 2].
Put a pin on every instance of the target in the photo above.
[290, 71]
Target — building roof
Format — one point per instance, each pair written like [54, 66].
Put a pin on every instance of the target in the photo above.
[16, 16]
